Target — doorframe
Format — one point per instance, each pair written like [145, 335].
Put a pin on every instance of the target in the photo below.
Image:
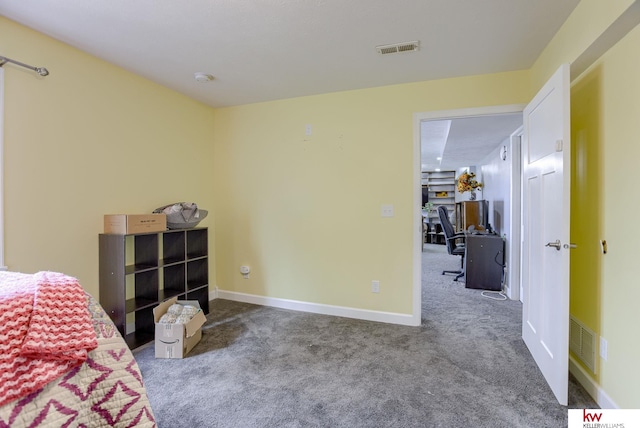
[515, 212]
[417, 185]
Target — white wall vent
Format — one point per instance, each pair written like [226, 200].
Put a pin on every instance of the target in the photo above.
[398, 47]
[582, 342]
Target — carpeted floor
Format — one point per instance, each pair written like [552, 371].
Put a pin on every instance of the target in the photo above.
[264, 367]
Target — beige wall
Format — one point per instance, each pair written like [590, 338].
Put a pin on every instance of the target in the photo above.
[88, 140]
[611, 95]
[304, 211]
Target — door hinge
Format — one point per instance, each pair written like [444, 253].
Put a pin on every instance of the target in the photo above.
[558, 145]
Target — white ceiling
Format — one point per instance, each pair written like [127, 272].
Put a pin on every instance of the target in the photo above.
[264, 50]
[464, 142]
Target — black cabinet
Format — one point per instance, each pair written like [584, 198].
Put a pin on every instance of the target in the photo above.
[139, 271]
[484, 262]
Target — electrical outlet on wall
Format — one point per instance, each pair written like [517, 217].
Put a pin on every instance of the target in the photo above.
[375, 286]
[604, 351]
[386, 210]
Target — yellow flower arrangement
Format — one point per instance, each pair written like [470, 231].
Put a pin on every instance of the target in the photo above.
[467, 182]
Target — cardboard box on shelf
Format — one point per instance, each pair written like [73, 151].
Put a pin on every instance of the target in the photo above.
[124, 224]
[176, 340]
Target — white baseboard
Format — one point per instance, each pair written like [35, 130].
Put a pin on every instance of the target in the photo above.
[590, 385]
[317, 308]
[507, 291]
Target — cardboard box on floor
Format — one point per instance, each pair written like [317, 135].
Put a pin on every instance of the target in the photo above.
[126, 224]
[176, 340]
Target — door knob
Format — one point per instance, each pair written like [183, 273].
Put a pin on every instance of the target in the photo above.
[569, 246]
[556, 244]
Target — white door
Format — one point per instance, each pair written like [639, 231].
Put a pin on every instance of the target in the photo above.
[545, 260]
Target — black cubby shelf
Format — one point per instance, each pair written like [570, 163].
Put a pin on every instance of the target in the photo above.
[139, 271]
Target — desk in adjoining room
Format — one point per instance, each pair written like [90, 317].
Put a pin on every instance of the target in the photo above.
[484, 261]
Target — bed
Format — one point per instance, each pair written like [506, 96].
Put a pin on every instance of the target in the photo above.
[62, 361]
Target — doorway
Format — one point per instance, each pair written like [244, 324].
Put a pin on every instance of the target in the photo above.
[513, 252]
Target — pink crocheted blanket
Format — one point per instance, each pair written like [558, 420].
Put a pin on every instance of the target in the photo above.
[45, 330]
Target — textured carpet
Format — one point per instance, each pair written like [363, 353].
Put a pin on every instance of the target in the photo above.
[264, 367]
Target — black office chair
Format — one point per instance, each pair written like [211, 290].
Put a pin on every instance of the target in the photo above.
[454, 247]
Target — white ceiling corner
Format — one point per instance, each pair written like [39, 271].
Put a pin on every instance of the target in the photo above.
[263, 50]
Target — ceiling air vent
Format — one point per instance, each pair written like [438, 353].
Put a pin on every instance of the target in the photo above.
[398, 47]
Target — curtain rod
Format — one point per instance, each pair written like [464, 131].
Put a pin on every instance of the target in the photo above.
[40, 70]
